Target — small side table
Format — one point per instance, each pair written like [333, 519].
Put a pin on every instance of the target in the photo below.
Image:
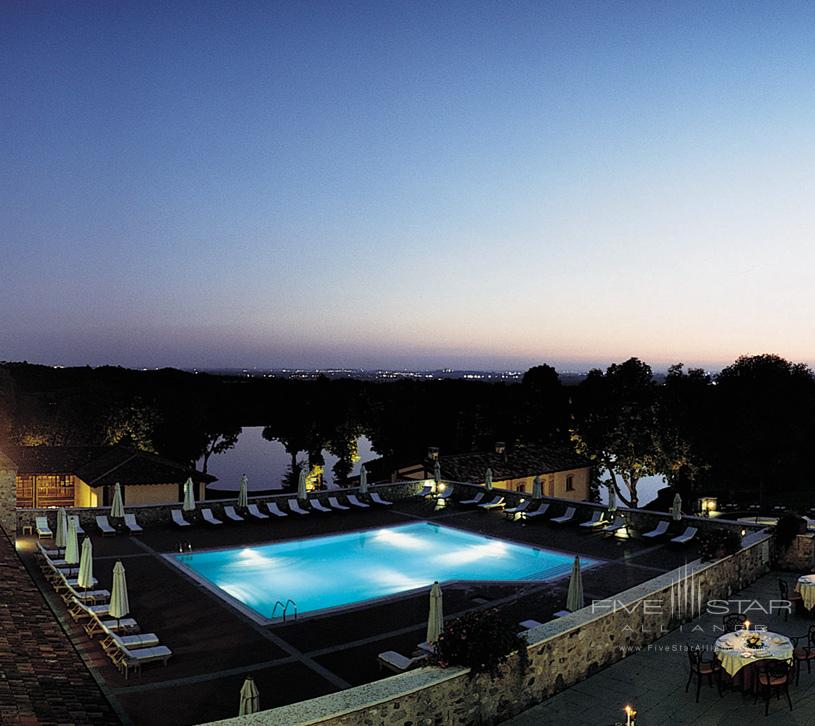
[28, 529]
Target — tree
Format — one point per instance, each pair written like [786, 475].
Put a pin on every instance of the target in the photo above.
[614, 424]
[216, 442]
[133, 424]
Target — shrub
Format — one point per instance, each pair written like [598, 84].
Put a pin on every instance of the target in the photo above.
[786, 529]
[718, 543]
[480, 641]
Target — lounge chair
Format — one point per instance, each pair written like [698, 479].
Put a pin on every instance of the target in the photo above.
[660, 530]
[496, 503]
[255, 512]
[529, 624]
[474, 500]
[685, 537]
[518, 509]
[79, 610]
[352, 499]
[114, 642]
[209, 517]
[132, 525]
[43, 530]
[104, 525]
[615, 526]
[426, 491]
[335, 504]
[376, 499]
[96, 625]
[318, 506]
[596, 520]
[294, 506]
[446, 494]
[75, 519]
[535, 513]
[232, 515]
[178, 518]
[565, 518]
[397, 662]
[126, 660]
[275, 509]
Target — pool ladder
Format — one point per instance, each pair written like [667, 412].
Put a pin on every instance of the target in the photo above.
[285, 608]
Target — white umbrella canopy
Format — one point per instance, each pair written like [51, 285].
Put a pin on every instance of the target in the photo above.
[612, 498]
[250, 697]
[363, 480]
[117, 509]
[119, 603]
[537, 489]
[302, 493]
[435, 616]
[574, 598]
[71, 545]
[62, 528]
[676, 509]
[243, 492]
[85, 577]
[488, 479]
[189, 496]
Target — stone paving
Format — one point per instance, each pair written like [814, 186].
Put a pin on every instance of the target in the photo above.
[653, 680]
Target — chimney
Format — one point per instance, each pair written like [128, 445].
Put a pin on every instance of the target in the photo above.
[433, 453]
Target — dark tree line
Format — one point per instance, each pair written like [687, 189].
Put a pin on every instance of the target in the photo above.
[743, 433]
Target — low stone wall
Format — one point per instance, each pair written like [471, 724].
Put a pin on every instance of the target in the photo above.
[800, 557]
[561, 653]
[8, 495]
[157, 515]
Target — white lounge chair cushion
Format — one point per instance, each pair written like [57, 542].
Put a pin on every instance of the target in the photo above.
[178, 518]
[275, 509]
[353, 500]
[335, 503]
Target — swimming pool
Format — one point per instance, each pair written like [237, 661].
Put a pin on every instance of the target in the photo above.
[328, 572]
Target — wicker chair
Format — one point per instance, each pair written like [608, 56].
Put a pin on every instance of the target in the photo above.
[804, 651]
[793, 597]
[774, 676]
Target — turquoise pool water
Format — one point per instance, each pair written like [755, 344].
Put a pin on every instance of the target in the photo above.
[340, 570]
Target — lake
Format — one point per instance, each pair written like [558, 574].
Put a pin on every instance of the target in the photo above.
[266, 462]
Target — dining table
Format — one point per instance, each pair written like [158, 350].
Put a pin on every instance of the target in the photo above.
[739, 658]
[806, 587]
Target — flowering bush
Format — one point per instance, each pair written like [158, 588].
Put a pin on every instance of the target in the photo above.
[481, 641]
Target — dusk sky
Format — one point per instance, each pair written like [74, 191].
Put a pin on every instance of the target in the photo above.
[406, 184]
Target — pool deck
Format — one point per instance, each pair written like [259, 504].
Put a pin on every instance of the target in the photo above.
[215, 646]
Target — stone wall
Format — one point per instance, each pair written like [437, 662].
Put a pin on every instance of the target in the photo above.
[157, 515]
[8, 496]
[561, 653]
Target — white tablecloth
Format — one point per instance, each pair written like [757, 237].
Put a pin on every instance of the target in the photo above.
[733, 653]
[806, 586]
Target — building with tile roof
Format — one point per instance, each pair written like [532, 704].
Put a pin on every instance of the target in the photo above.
[84, 476]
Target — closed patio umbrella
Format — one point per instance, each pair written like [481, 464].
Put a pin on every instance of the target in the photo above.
[62, 529]
[250, 698]
[612, 498]
[71, 545]
[574, 598]
[488, 479]
[243, 492]
[85, 577]
[363, 480]
[435, 616]
[117, 509]
[537, 489]
[119, 603]
[189, 496]
[437, 472]
[676, 509]
[302, 494]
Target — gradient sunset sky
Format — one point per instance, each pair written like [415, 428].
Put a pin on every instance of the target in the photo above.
[415, 184]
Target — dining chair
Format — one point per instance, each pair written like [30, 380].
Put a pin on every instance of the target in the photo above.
[804, 652]
[733, 622]
[794, 598]
[701, 668]
[774, 676]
